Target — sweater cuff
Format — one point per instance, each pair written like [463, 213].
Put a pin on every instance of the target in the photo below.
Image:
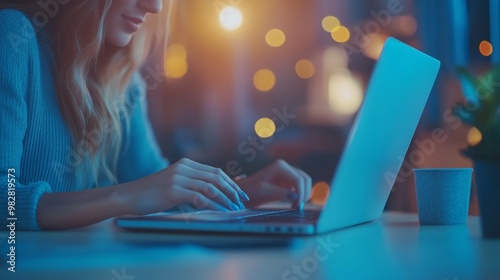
[26, 198]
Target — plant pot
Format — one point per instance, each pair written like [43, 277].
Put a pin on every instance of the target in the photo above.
[487, 175]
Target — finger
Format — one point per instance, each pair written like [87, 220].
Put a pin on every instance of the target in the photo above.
[218, 172]
[299, 202]
[198, 200]
[308, 184]
[291, 177]
[212, 178]
[207, 189]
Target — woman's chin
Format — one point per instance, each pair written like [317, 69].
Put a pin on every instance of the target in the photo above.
[119, 40]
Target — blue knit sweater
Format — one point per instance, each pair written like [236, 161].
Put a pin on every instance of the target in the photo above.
[36, 150]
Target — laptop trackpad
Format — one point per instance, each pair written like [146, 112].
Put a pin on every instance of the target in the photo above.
[210, 215]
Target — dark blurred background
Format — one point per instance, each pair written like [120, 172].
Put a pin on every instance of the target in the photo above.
[250, 81]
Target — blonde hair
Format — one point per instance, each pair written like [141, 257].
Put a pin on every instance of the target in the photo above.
[90, 79]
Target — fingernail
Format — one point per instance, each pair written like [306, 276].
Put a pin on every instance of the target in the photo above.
[245, 196]
[291, 196]
[242, 206]
[234, 207]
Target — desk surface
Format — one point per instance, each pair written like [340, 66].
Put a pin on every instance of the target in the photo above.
[394, 247]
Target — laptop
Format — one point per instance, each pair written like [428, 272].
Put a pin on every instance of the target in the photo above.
[379, 139]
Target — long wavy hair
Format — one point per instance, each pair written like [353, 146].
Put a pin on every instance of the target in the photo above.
[91, 77]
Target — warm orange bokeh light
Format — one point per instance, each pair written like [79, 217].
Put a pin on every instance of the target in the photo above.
[275, 37]
[320, 193]
[341, 34]
[485, 48]
[374, 46]
[305, 68]
[264, 80]
[408, 25]
[474, 136]
[330, 23]
[265, 128]
[175, 63]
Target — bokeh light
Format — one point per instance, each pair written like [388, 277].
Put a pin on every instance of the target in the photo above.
[341, 34]
[275, 37]
[230, 18]
[330, 23]
[305, 68]
[474, 136]
[264, 80]
[265, 128]
[407, 25]
[345, 94]
[374, 47]
[485, 48]
[175, 63]
[320, 192]
[177, 50]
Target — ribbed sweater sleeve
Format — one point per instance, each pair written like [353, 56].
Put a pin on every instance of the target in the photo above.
[18, 54]
[141, 154]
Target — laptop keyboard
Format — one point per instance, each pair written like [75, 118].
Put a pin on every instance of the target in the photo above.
[289, 216]
[307, 214]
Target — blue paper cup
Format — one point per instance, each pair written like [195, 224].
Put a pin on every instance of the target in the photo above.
[443, 195]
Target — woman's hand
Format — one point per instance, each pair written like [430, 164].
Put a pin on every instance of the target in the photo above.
[186, 181]
[277, 181]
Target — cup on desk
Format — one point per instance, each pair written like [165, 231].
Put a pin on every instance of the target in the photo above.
[443, 195]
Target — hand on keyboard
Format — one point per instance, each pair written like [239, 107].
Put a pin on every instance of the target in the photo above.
[277, 181]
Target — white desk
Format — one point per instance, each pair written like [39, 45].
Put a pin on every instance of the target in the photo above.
[395, 247]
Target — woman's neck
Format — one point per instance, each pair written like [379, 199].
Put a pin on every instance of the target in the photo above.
[108, 51]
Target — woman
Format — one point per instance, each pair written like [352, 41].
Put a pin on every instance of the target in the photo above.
[73, 120]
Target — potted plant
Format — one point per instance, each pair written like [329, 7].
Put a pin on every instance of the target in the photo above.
[481, 110]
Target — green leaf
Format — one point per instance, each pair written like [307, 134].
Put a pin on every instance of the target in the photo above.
[481, 109]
